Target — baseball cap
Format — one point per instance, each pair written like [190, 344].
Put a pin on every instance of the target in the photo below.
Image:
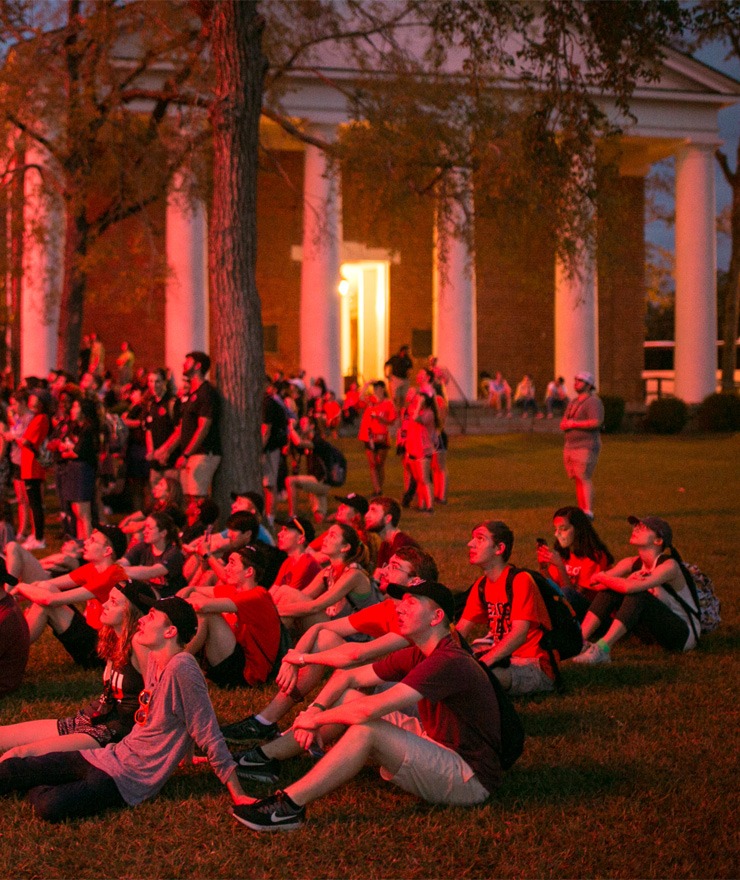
[655, 524]
[136, 592]
[116, 538]
[181, 614]
[255, 497]
[303, 526]
[437, 592]
[586, 377]
[359, 502]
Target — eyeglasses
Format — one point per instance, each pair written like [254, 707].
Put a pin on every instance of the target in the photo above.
[142, 713]
[395, 566]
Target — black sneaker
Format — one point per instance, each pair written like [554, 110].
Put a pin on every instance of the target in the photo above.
[272, 813]
[251, 765]
[249, 729]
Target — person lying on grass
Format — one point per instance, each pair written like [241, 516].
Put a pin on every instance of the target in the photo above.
[53, 600]
[174, 712]
[331, 644]
[244, 652]
[447, 755]
[646, 594]
[109, 718]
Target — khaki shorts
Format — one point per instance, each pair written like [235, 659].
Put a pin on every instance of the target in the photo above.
[430, 770]
[528, 677]
[197, 475]
[580, 463]
[270, 468]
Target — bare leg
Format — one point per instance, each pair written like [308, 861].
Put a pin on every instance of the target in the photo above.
[12, 735]
[23, 564]
[83, 514]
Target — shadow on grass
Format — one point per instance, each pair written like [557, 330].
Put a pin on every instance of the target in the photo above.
[507, 499]
[561, 784]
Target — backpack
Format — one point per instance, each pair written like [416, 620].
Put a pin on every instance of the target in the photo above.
[512, 729]
[335, 464]
[117, 429]
[44, 455]
[705, 596]
[564, 635]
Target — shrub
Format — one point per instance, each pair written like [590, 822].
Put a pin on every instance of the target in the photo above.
[719, 412]
[613, 413]
[667, 415]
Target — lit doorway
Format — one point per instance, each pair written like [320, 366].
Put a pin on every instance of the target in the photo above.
[364, 290]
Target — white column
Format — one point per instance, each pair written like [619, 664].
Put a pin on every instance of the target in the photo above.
[696, 274]
[454, 302]
[322, 239]
[576, 316]
[43, 264]
[186, 308]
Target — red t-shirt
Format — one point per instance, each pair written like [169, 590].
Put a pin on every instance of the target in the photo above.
[256, 626]
[580, 570]
[526, 604]
[298, 573]
[376, 620]
[99, 583]
[35, 434]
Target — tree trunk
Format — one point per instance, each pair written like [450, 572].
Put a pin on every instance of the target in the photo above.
[732, 302]
[73, 290]
[237, 315]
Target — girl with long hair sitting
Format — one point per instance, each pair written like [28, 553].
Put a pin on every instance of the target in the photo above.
[577, 555]
[109, 718]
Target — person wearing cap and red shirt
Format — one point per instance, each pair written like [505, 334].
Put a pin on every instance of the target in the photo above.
[174, 713]
[449, 754]
[581, 424]
[300, 567]
[53, 600]
[645, 593]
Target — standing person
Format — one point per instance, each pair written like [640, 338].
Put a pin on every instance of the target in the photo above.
[125, 364]
[174, 713]
[32, 473]
[646, 594]
[20, 418]
[421, 440]
[79, 451]
[159, 423]
[397, 369]
[581, 425]
[274, 438]
[377, 417]
[448, 754]
[96, 365]
[577, 554]
[197, 434]
[109, 718]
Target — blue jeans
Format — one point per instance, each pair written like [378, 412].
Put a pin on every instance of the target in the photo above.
[63, 785]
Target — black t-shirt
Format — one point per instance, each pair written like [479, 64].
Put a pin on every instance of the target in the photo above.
[202, 403]
[400, 365]
[274, 415]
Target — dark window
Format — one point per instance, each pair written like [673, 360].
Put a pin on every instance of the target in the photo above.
[270, 338]
[421, 343]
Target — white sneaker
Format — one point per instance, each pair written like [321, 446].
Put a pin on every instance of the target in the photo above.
[32, 544]
[594, 654]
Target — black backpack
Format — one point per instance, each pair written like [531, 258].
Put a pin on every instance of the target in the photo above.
[564, 635]
[335, 463]
[512, 729]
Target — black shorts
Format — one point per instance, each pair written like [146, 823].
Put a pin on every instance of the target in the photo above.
[229, 673]
[80, 641]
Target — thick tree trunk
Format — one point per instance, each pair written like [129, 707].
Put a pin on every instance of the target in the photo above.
[732, 302]
[73, 291]
[237, 316]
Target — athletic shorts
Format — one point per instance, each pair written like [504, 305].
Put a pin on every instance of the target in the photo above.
[580, 463]
[229, 673]
[80, 641]
[270, 468]
[432, 771]
[528, 677]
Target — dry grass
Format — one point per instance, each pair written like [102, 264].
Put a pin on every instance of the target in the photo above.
[631, 773]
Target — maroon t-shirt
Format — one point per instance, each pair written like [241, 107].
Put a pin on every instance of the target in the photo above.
[458, 708]
[388, 548]
[14, 644]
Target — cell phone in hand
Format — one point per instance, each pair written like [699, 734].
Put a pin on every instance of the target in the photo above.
[541, 542]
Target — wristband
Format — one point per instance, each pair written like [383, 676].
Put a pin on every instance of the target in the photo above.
[318, 706]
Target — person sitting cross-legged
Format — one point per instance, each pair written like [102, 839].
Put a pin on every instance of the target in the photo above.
[450, 754]
[246, 652]
[335, 644]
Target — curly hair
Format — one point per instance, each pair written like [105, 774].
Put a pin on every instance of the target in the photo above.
[117, 648]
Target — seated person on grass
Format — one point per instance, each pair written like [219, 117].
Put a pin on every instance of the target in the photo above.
[449, 754]
[110, 717]
[382, 518]
[300, 567]
[27, 568]
[53, 601]
[512, 648]
[174, 713]
[158, 559]
[338, 590]
[239, 629]
[646, 594]
[329, 644]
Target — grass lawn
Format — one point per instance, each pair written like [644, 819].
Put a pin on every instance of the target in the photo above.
[631, 773]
